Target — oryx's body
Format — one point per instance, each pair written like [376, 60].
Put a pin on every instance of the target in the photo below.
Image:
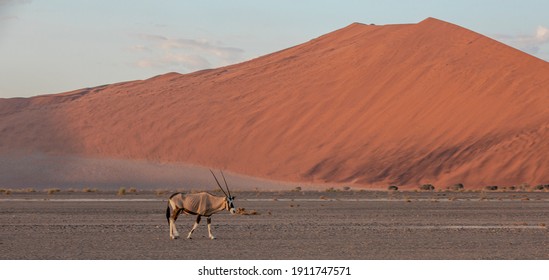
[199, 204]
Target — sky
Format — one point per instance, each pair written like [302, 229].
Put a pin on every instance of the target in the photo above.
[53, 46]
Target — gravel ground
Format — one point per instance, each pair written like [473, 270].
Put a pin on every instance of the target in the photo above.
[289, 225]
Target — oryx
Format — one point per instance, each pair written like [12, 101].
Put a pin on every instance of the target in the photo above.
[199, 204]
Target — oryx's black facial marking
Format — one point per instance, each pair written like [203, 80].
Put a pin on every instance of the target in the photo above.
[230, 204]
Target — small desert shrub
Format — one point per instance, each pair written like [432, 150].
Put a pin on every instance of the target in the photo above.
[122, 191]
[541, 187]
[7, 192]
[456, 187]
[161, 192]
[243, 211]
[346, 188]
[392, 188]
[296, 189]
[52, 191]
[132, 190]
[426, 187]
[491, 188]
[87, 190]
[331, 190]
[30, 190]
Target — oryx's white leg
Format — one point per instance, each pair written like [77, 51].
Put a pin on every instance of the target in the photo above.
[209, 220]
[194, 226]
[174, 234]
[173, 230]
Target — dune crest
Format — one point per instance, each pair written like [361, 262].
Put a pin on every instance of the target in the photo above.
[401, 104]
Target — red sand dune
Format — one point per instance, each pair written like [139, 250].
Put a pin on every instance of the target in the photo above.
[371, 105]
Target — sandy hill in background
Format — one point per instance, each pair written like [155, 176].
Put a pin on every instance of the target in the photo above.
[405, 104]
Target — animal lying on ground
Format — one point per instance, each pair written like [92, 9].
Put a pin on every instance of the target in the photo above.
[199, 204]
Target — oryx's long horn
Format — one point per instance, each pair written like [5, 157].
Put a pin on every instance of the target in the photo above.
[226, 186]
[219, 185]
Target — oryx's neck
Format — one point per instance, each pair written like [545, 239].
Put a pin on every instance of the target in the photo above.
[219, 203]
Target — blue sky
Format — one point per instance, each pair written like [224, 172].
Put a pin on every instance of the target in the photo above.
[60, 45]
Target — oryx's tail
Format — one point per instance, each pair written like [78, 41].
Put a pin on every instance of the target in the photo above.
[168, 212]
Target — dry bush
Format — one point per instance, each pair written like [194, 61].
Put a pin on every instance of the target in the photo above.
[456, 187]
[491, 188]
[160, 192]
[243, 211]
[52, 191]
[392, 188]
[132, 190]
[121, 191]
[427, 187]
[296, 189]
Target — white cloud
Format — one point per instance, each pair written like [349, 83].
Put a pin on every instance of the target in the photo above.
[170, 60]
[542, 34]
[176, 54]
[528, 43]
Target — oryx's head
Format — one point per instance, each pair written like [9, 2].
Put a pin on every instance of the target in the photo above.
[229, 199]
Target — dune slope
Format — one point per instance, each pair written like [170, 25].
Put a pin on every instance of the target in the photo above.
[405, 104]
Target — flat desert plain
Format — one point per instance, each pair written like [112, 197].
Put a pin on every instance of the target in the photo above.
[286, 225]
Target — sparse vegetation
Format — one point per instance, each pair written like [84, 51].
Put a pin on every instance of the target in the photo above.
[243, 211]
[523, 186]
[491, 188]
[132, 190]
[427, 187]
[392, 188]
[160, 192]
[346, 188]
[296, 189]
[121, 191]
[331, 189]
[52, 191]
[456, 187]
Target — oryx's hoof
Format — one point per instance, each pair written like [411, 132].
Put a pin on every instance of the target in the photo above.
[174, 237]
[212, 237]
